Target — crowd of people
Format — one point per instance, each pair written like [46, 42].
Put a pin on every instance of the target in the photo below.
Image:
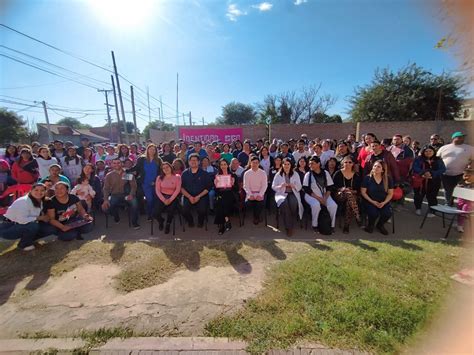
[320, 178]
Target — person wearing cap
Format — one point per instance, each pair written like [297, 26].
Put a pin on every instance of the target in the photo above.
[456, 156]
[317, 184]
[25, 168]
[68, 144]
[55, 175]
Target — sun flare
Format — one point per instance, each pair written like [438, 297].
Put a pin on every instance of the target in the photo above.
[123, 14]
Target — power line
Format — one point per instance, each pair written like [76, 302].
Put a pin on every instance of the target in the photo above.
[54, 65]
[45, 70]
[56, 48]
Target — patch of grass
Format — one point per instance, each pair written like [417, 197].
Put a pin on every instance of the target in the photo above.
[372, 298]
[37, 335]
[100, 336]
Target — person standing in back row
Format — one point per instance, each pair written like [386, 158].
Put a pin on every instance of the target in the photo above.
[456, 156]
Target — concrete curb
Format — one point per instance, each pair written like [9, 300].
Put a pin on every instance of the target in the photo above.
[155, 346]
[28, 346]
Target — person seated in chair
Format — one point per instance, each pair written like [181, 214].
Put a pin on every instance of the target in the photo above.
[120, 187]
[195, 186]
[255, 186]
[377, 190]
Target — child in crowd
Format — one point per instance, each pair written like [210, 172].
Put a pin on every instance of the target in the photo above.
[101, 170]
[49, 187]
[85, 192]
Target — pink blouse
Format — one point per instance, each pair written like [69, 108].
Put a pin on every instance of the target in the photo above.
[170, 185]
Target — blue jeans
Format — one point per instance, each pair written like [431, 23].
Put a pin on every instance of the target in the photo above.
[150, 196]
[212, 198]
[119, 200]
[48, 229]
[27, 233]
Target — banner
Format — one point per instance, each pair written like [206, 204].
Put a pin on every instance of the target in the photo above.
[209, 135]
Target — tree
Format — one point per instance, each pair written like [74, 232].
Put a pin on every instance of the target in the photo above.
[235, 113]
[294, 106]
[73, 123]
[157, 125]
[320, 117]
[12, 128]
[411, 94]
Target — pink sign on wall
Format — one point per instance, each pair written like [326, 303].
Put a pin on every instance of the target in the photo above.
[208, 135]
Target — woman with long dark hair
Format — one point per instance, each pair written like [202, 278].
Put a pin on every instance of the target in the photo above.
[347, 186]
[11, 153]
[287, 187]
[377, 190]
[302, 168]
[147, 169]
[25, 168]
[88, 172]
[168, 188]
[226, 187]
[426, 178]
[331, 166]
[22, 217]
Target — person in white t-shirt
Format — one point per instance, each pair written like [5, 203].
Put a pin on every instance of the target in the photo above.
[301, 151]
[327, 152]
[456, 156]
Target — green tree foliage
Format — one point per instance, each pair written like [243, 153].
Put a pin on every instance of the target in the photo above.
[157, 125]
[73, 123]
[411, 94]
[12, 127]
[236, 113]
[320, 117]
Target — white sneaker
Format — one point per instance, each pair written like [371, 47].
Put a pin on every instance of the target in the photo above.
[418, 212]
[460, 229]
[29, 248]
[430, 215]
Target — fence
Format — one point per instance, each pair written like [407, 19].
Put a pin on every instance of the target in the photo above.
[420, 130]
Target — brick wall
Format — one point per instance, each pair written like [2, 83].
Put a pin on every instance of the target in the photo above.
[420, 131]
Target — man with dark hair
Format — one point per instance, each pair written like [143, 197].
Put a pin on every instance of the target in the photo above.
[403, 155]
[378, 153]
[285, 153]
[435, 142]
[195, 186]
[120, 186]
[197, 150]
[300, 151]
[58, 151]
[85, 143]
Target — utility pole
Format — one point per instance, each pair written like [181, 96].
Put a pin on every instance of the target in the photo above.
[184, 120]
[109, 120]
[50, 138]
[190, 119]
[148, 99]
[116, 109]
[161, 110]
[203, 122]
[134, 116]
[120, 98]
[177, 95]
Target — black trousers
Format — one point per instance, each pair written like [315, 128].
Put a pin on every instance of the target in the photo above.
[430, 190]
[289, 211]
[224, 205]
[171, 209]
[449, 183]
[201, 208]
[256, 206]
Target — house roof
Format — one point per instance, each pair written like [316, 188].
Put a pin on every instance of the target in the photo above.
[68, 131]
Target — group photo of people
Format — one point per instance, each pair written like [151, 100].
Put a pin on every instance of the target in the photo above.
[61, 189]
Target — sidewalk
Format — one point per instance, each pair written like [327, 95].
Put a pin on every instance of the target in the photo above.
[155, 346]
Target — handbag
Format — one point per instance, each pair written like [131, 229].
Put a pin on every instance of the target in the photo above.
[324, 221]
[416, 181]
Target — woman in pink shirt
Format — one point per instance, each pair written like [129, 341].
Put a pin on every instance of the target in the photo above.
[168, 187]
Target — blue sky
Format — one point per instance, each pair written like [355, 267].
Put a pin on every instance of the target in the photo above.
[223, 50]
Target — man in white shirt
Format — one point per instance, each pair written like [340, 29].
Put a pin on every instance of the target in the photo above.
[301, 152]
[255, 186]
[456, 156]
